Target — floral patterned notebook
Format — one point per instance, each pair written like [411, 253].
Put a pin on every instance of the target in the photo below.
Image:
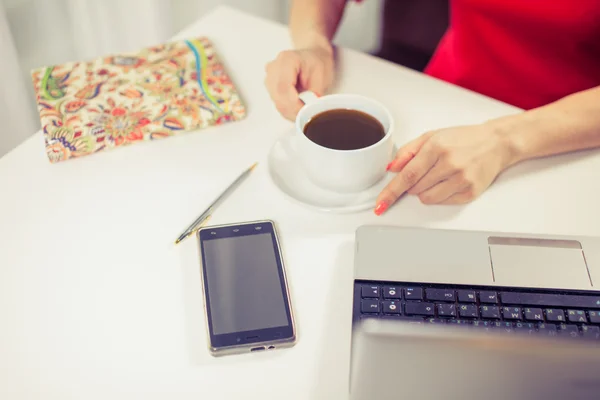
[87, 107]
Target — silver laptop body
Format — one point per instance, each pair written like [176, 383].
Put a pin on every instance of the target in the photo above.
[476, 258]
[395, 359]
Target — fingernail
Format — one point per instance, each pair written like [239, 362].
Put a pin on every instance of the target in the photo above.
[381, 207]
[389, 166]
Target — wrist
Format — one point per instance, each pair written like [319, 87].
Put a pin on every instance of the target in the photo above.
[512, 139]
[313, 40]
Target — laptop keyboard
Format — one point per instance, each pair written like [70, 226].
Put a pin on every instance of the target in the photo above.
[531, 311]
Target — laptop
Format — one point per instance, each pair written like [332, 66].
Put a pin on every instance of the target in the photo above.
[471, 314]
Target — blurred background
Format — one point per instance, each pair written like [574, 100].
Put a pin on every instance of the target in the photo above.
[36, 33]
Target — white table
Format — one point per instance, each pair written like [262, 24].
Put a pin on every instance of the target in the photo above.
[97, 303]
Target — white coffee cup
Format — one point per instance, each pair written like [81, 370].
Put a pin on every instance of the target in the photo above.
[343, 170]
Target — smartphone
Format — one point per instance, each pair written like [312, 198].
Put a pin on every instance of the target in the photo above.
[246, 297]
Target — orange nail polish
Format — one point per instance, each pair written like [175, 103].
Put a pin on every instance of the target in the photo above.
[381, 207]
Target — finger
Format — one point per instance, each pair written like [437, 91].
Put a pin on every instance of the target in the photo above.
[282, 76]
[285, 97]
[407, 178]
[402, 158]
[407, 152]
[436, 175]
[462, 197]
[443, 190]
[314, 78]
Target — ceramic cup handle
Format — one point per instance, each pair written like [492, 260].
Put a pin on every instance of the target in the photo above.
[308, 97]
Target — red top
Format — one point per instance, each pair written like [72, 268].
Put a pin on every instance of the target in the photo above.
[524, 52]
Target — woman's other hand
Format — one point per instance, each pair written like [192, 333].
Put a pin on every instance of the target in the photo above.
[295, 71]
[448, 166]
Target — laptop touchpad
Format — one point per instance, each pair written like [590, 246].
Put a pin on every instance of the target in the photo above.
[539, 263]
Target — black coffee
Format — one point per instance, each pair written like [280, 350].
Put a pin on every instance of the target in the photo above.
[344, 129]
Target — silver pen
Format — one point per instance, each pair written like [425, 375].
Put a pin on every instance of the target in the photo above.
[201, 220]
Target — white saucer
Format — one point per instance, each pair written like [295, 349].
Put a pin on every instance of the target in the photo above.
[286, 174]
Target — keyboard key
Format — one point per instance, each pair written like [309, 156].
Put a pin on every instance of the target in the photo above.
[440, 295]
[577, 316]
[369, 306]
[569, 330]
[413, 293]
[590, 332]
[534, 314]
[485, 325]
[460, 322]
[525, 327]
[594, 317]
[369, 291]
[392, 292]
[467, 296]
[511, 313]
[547, 329]
[506, 326]
[488, 297]
[555, 315]
[490, 312]
[468, 311]
[446, 310]
[391, 307]
[550, 300]
[418, 308]
[436, 320]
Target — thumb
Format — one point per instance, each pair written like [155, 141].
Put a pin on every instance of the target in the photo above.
[316, 82]
[316, 73]
[407, 153]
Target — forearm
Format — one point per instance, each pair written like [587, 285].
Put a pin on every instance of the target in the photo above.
[315, 22]
[570, 124]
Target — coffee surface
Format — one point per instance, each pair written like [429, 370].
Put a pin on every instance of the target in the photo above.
[344, 129]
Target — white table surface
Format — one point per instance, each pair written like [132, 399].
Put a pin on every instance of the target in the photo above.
[97, 303]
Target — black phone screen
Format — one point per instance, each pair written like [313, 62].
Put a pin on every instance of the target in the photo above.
[244, 281]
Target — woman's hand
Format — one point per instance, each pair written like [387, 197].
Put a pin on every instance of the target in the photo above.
[295, 71]
[448, 166]
[455, 165]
